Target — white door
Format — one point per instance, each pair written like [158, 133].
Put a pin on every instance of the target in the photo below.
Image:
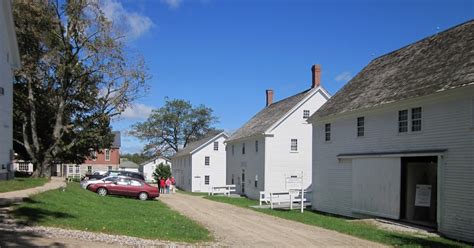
[196, 187]
[376, 186]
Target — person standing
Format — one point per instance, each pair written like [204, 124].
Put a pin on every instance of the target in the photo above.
[168, 185]
[162, 185]
[173, 185]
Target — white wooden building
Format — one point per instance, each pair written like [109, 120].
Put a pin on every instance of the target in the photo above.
[398, 140]
[275, 143]
[201, 164]
[148, 167]
[9, 60]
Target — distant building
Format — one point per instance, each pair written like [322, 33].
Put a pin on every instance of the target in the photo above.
[397, 141]
[128, 165]
[275, 143]
[148, 167]
[201, 164]
[105, 160]
[9, 60]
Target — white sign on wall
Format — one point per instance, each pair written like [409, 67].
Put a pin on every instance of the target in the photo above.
[294, 182]
[423, 195]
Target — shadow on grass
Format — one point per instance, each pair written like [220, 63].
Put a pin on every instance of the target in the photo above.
[404, 240]
[32, 215]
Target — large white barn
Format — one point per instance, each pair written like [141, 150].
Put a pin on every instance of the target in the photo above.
[398, 140]
[201, 164]
[9, 60]
[275, 143]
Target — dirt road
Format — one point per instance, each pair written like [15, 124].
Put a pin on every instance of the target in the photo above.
[235, 226]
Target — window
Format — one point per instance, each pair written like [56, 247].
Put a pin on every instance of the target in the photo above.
[360, 126]
[70, 169]
[110, 168]
[207, 160]
[89, 169]
[232, 149]
[243, 148]
[135, 183]
[216, 146]
[403, 121]
[107, 155]
[77, 169]
[327, 132]
[256, 181]
[305, 114]
[416, 119]
[232, 179]
[2, 91]
[256, 146]
[206, 180]
[294, 145]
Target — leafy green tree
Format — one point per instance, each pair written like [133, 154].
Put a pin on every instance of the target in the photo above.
[75, 77]
[173, 126]
[162, 171]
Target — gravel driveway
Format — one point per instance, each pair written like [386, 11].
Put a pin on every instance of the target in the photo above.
[236, 226]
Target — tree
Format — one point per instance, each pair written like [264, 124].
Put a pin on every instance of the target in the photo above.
[162, 171]
[74, 78]
[136, 157]
[173, 126]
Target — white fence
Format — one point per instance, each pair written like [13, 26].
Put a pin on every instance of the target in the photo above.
[283, 199]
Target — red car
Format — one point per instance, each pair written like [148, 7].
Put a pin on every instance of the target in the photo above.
[126, 187]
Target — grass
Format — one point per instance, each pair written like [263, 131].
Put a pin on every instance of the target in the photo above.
[21, 183]
[343, 225]
[76, 208]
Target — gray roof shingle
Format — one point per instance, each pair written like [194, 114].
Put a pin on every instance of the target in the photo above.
[192, 146]
[437, 63]
[264, 119]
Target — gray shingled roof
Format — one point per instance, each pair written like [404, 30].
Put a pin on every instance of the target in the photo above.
[268, 116]
[192, 146]
[117, 140]
[128, 164]
[437, 63]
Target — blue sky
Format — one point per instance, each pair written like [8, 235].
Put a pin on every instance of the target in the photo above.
[224, 54]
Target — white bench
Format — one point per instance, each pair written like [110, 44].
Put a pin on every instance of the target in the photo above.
[225, 190]
[275, 199]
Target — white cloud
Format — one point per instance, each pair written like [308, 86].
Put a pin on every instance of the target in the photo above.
[172, 4]
[132, 23]
[343, 77]
[137, 111]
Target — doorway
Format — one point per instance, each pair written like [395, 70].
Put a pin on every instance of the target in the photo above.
[243, 182]
[418, 196]
[196, 187]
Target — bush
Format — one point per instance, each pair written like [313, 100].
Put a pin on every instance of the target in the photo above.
[22, 174]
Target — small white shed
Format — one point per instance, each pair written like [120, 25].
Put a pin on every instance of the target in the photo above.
[148, 167]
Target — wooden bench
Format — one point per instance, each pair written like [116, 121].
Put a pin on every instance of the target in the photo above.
[224, 190]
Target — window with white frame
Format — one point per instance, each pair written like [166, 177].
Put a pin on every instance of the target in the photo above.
[207, 180]
[360, 126]
[109, 168]
[70, 169]
[107, 155]
[305, 114]
[89, 169]
[216, 146]
[207, 160]
[327, 132]
[294, 145]
[416, 119]
[243, 148]
[77, 169]
[403, 121]
[232, 179]
[256, 146]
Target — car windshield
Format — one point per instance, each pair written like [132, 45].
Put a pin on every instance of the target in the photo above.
[123, 181]
[135, 183]
[110, 179]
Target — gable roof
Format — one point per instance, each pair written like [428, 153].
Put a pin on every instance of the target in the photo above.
[128, 164]
[192, 147]
[434, 64]
[155, 158]
[271, 114]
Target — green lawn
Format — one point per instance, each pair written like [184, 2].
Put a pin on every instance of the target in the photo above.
[21, 183]
[76, 208]
[342, 225]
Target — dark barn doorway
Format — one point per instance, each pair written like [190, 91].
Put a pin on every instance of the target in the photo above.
[418, 196]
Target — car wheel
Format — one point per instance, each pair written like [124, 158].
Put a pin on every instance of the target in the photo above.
[143, 196]
[102, 191]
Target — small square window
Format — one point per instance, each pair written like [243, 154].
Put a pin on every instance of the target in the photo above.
[2, 91]
[243, 148]
[256, 146]
[207, 160]
[327, 132]
[360, 126]
[305, 114]
[294, 145]
[403, 121]
[216, 146]
[109, 168]
[89, 169]
[207, 180]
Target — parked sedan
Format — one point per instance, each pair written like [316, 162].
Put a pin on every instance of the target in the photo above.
[115, 173]
[109, 179]
[126, 187]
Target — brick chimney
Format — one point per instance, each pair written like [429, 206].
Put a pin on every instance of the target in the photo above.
[316, 69]
[269, 97]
